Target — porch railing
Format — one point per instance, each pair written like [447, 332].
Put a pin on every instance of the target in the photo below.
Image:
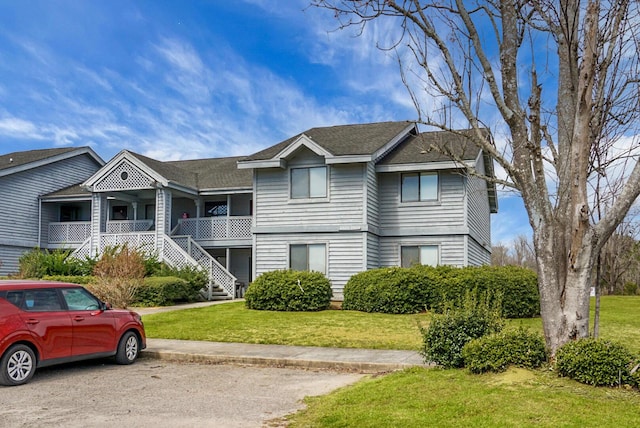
[214, 228]
[178, 251]
[128, 226]
[69, 232]
[218, 274]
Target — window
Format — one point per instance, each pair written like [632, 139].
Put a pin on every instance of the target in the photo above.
[119, 212]
[69, 213]
[41, 300]
[215, 209]
[424, 255]
[78, 299]
[308, 257]
[421, 186]
[309, 183]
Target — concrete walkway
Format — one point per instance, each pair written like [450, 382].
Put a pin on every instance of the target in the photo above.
[359, 360]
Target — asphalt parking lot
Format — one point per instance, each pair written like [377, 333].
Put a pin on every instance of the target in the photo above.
[160, 393]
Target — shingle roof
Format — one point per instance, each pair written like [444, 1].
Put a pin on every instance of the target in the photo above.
[72, 191]
[169, 171]
[217, 173]
[12, 160]
[342, 140]
[418, 148]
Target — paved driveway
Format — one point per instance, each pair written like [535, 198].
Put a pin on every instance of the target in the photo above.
[153, 393]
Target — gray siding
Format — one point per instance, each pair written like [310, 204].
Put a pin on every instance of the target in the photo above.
[478, 254]
[373, 200]
[344, 205]
[19, 210]
[478, 211]
[422, 218]
[344, 254]
[451, 248]
[373, 251]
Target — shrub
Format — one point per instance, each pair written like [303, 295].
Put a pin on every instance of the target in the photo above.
[162, 291]
[196, 279]
[118, 274]
[596, 362]
[289, 290]
[447, 333]
[496, 352]
[390, 290]
[516, 287]
[410, 290]
[38, 263]
[73, 279]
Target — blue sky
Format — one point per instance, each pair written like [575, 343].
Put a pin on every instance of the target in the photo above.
[192, 79]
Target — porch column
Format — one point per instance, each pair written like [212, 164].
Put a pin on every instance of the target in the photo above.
[98, 220]
[163, 217]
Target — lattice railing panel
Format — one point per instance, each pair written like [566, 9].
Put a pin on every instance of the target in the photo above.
[69, 232]
[144, 241]
[83, 251]
[217, 273]
[128, 226]
[216, 228]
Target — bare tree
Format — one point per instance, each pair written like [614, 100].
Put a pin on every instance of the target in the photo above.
[560, 80]
[519, 253]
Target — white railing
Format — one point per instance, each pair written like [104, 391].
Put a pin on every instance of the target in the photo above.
[212, 228]
[128, 226]
[179, 252]
[71, 232]
[144, 241]
[83, 251]
[218, 274]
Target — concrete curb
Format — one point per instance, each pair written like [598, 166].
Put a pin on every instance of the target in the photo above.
[355, 360]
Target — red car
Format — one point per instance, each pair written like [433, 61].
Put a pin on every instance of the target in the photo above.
[45, 323]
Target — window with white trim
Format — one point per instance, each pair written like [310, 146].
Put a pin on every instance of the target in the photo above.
[307, 183]
[419, 254]
[308, 257]
[419, 186]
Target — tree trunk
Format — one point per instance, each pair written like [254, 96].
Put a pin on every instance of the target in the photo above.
[564, 292]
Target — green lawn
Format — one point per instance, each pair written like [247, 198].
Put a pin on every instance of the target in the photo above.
[421, 397]
[231, 322]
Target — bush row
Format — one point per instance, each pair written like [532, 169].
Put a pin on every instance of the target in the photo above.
[410, 290]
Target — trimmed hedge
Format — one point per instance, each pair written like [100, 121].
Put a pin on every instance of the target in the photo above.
[73, 279]
[289, 290]
[596, 362]
[390, 290]
[496, 352]
[162, 291]
[410, 290]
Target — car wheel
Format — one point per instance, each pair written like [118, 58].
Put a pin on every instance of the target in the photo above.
[18, 365]
[128, 348]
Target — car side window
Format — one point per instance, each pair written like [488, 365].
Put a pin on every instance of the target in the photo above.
[41, 300]
[78, 299]
[13, 297]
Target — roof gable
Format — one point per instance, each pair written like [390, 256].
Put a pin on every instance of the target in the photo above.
[338, 144]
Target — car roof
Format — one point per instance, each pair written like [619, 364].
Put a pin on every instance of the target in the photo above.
[33, 283]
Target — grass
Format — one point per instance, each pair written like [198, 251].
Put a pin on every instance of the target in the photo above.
[454, 398]
[419, 396]
[232, 322]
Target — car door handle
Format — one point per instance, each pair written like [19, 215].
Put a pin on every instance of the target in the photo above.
[78, 318]
[32, 321]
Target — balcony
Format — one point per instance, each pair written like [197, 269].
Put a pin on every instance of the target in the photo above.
[215, 228]
[69, 233]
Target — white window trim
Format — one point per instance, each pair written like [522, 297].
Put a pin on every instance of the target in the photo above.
[422, 244]
[326, 253]
[309, 200]
[426, 202]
